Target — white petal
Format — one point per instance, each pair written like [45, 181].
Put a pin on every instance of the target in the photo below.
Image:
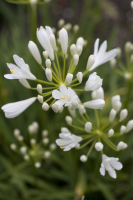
[8, 76]
[112, 173]
[63, 89]
[25, 83]
[96, 46]
[19, 61]
[56, 94]
[102, 171]
[60, 102]
[95, 104]
[117, 165]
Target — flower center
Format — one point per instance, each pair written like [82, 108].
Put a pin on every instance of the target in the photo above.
[111, 170]
[12, 70]
[65, 98]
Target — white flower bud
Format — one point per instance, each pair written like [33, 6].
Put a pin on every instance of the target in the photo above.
[94, 82]
[99, 146]
[23, 149]
[83, 158]
[127, 76]
[33, 141]
[79, 49]
[80, 41]
[68, 120]
[13, 147]
[60, 109]
[113, 63]
[88, 126]
[132, 4]
[129, 126]
[69, 78]
[47, 154]
[31, 129]
[114, 99]
[117, 106]
[44, 133]
[52, 147]
[20, 138]
[16, 132]
[68, 26]
[26, 157]
[37, 165]
[112, 115]
[36, 126]
[72, 112]
[75, 28]
[90, 62]
[35, 52]
[77, 146]
[61, 22]
[63, 35]
[53, 41]
[55, 108]
[81, 109]
[80, 77]
[121, 145]
[45, 141]
[64, 130]
[48, 63]
[118, 52]
[45, 54]
[98, 94]
[33, 2]
[110, 133]
[45, 106]
[25, 83]
[39, 88]
[48, 73]
[122, 129]
[74, 105]
[123, 114]
[76, 59]
[128, 47]
[73, 49]
[40, 98]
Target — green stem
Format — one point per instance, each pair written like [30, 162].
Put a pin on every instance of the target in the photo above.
[91, 147]
[34, 21]
[59, 69]
[87, 142]
[64, 68]
[79, 128]
[45, 82]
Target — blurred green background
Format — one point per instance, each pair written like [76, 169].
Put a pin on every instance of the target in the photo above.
[63, 176]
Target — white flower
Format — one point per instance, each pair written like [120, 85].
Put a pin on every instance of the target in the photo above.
[101, 56]
[35, 51]
[65, 96]
[94, 82]
[110, 164]
[43, 37]
[63, 35]
[98, 94]
[67, 141]
[20, 70]
[12, 110]
[121, 145]
[95, 104]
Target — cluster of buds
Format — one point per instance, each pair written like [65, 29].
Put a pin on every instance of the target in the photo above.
[97, 134]
[36, 151]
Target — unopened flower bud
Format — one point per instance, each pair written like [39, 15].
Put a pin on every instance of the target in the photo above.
[110, 133]
[75, 28]
[20, 138]
[83, 158]
[37, 165]
[77, 146]
[129, 126]
[121, 145]
[80, 41]
[45, 141]
[48, 73]
[40, 98]
[128, 47]
[45, 54]
[60, 109]
[98, 94]
[33, 2]
[74, 105]
[33, 141]
[25, 83]
[35, 52]
[90, 61]
[23, 149]
[99, 146]
[48, 63]
[53, 41]
[76, 59]
[47, 154]
[117, 106]
[80, 77]
[61, 22]
[123, 114]
[64, 130]
[127, 75]
[122, 129]
[88, 126]
[68, 26]
[39, 88]
[36, 126]
[68, 120]
[16, 132]
[44, 133]
[118, 52]
[55, 108]
[69, 78]
[45, 106]
[79, 49]
[13, 147]
[114, 99]
[113, 63]
[73, 49]
[52, 147]
[112, 115]
[81, 109]
[26, 157]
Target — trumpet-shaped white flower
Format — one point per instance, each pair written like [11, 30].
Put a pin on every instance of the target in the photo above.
[12, 110]
[20, 70]
[95, 104]
[68, 141]
[94, 82]
[101, 56]
[43, 37]
[65, 96]
[110, 164]
[63, 35]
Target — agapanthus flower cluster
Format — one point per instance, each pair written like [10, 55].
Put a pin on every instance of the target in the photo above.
[95, 134]
[33, 151]
[61, 59]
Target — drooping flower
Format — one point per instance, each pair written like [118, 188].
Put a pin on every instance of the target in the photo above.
[110, 164]
[12, 110]
[65, 96]
[20, 70]
[94, 82]
[101, 56]
[68, 141]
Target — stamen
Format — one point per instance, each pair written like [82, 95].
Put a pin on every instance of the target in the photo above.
[62, 147]
[12, 70]
[63, 97]
[110, 170]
